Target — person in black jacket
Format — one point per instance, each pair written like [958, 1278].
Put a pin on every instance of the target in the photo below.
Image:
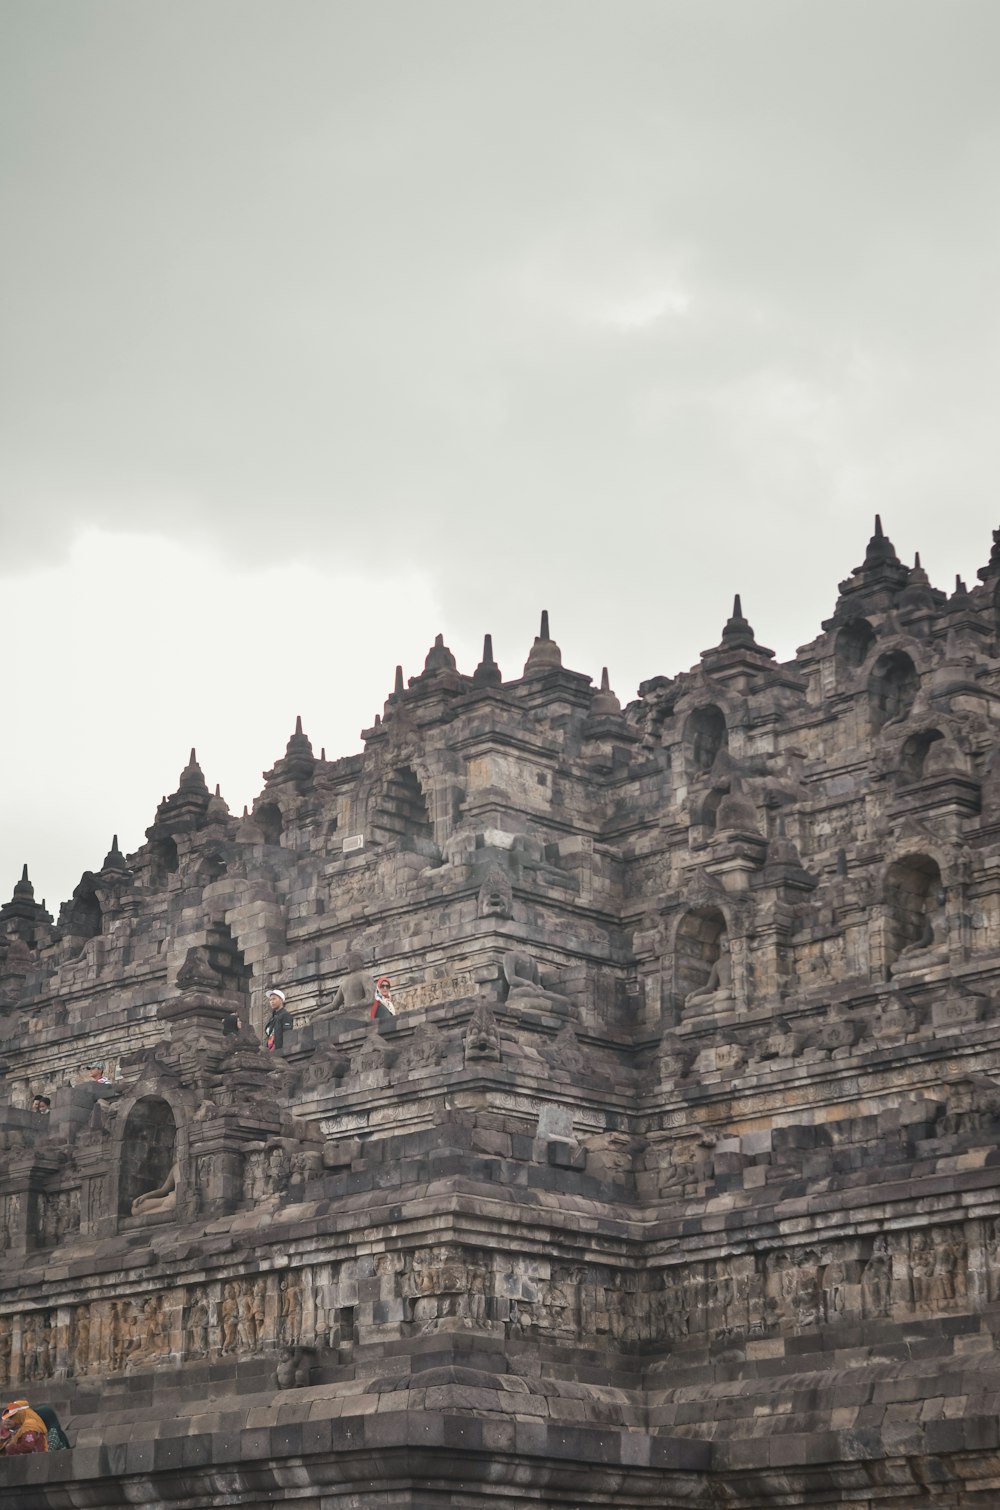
[278, 1024]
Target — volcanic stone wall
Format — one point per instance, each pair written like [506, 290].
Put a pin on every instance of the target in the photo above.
[673, 1181]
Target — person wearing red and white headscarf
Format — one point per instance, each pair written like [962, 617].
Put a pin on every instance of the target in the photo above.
[21, 1430]
[383, 1006]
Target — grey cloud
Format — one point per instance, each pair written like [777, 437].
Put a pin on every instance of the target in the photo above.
[342, 279]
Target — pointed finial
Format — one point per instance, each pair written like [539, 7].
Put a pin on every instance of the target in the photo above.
[544, 654]
[736, 630]
[880, 551]
[439, 658]
[737, 634]
[322, 752]
[299, 748]
[397, 690]
[246, 811]
[487, 673]
[192, 779]
[918, 593]
[23, 893]
[378, 720]
[218, 808]
[297, 763]
[605, 704]
[114, 859]
[24, 887]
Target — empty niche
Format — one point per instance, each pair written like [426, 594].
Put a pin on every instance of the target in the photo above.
[401, 812]
[82, 917]
[269, 820]
[148, 1150]
[854, 642]
[913, 756]
[697, 946]
[912, 891]
[705, 734]
[212, 868]
[163, 855]
[892, 687]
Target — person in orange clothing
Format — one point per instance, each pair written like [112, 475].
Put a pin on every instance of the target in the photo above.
[21, 1430]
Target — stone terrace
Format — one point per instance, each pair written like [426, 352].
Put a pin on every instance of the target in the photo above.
[673, 1182]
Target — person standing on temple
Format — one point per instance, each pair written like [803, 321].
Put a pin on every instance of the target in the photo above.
[383, 1006]
[279, 1022]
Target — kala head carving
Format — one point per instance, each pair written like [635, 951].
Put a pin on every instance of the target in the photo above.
[495, 895]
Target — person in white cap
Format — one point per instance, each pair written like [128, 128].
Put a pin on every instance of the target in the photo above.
[278, 1023]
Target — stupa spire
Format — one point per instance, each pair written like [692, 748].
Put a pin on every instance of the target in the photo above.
[114, 860]
[487, 673]
[605, 704]
[544, 654]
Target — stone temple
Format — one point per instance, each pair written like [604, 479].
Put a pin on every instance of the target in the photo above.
[675, 1179]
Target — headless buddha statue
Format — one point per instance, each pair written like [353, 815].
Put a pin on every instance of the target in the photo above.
[524, 982]
[354, 994]
[164, 1198]
[932, 945]
[718, 989]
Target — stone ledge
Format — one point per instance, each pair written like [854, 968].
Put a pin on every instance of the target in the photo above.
[443, 1451]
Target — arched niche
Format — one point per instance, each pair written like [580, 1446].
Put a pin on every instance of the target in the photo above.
[854, 643]
[270, 822]
[83, 918]
[148, 1150]
[163, 855]
[697, 946]
[705, 734]
[913, 899]
[401, 813]
[913, 756]
[892, 687]
[213, 867]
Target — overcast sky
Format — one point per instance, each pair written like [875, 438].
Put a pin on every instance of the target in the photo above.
[327, 327]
